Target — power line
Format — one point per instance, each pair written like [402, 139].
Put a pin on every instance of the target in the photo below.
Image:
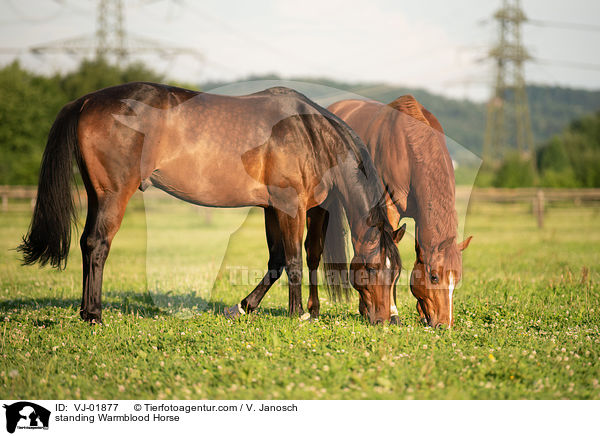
[560, 25]
[232, 30]
[9, 50]
[569, 64]
[30, 19]
[111, 39]
[565, 25]
[249, 39]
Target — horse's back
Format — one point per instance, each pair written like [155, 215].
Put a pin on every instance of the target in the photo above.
[208, 149]
[187, 143]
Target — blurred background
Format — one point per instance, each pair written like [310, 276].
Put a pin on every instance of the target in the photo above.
[514, 82]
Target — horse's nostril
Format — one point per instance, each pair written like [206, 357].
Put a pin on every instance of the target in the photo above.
[433, 323]
[378, 321]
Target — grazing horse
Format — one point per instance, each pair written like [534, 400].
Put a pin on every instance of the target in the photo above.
[275, 149]
[408, 147]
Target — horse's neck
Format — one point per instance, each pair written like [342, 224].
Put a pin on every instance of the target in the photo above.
[357, 201]
[432, 189]
[357, 212]
[430, 198]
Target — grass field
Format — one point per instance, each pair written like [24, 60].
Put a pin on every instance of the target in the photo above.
[527, 318]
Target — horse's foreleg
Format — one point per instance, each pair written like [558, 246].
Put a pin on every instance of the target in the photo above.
[395, 318]
[421, 312]
[104, 217]
[317, 227]
[292, 230]
[275, 267]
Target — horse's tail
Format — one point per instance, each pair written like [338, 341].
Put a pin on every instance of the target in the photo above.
[335, 254]
[49, 235]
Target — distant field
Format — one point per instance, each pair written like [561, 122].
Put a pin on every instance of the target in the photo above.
[527, 317]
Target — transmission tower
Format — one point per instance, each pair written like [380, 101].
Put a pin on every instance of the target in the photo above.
[508, 120]
[110, 33]
[111, 40]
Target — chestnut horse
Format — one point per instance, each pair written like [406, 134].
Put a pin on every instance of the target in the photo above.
[275, 149]
[408, 147]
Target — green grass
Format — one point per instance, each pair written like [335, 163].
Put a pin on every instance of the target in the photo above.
[527, 318]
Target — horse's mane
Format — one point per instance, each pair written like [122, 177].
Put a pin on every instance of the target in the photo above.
[410, 106]
[432, 172]
[380, 231]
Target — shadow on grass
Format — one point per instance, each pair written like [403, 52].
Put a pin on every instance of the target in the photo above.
[144, 304]
[125, 302]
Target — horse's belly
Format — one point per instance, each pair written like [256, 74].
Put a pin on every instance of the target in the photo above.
[213, 183]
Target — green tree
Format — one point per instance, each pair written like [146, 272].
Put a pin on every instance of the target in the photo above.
[98, 73]
[554, 165]
[31, 102]
[573, 157]
[29, 105]
[515, 172]
[582, 142]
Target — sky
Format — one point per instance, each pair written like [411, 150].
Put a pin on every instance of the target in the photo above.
[437, 45]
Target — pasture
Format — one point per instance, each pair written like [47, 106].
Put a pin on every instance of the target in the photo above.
[527, 318]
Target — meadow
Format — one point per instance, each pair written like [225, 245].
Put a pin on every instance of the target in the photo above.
[527, 314]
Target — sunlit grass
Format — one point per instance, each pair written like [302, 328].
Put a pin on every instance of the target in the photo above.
[527, 321]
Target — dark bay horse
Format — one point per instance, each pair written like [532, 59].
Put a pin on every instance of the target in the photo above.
[275, 149]
[408, 147]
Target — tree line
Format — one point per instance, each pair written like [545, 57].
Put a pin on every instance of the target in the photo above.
[570, 159]
[564, 121]
[29, 103]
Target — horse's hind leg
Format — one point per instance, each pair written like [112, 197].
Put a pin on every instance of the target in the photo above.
[275, 267]
[105, 213]
[317, 228]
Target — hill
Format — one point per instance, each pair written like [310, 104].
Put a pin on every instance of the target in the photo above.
[552, 108]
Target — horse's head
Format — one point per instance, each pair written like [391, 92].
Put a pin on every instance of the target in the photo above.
[435, 275]
[374, 271]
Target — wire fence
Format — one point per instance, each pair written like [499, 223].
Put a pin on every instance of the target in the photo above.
[540, 199]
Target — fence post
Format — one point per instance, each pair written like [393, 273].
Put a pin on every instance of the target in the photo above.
[538, 208]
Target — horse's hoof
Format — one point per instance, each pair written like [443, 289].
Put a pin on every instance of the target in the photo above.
[234, 311]
[90, 318]
[305, 316]
[314, 319]
[395, 320]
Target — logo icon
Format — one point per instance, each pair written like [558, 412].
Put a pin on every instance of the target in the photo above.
[26, 415]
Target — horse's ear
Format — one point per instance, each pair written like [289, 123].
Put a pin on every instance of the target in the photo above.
[372, 220]
[418, 249]
[446, 244]
[464, 244]
[399, 233]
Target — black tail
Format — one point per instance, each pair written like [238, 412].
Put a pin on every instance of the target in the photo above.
[49, 235]
[335, 251]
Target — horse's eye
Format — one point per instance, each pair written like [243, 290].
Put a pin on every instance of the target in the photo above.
[434, 278]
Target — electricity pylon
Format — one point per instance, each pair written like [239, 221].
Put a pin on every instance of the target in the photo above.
[508, 120]
[110, 33]
[111, 40]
